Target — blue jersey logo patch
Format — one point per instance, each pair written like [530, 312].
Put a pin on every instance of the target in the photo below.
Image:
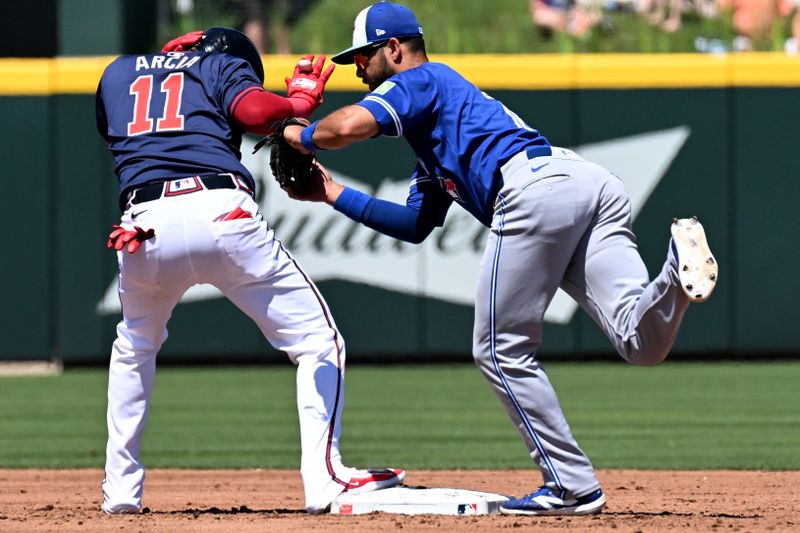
[384, 87]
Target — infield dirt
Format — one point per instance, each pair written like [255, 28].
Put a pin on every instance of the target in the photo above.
[272, 500]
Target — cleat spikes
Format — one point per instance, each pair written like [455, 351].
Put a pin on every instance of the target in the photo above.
[696, 268]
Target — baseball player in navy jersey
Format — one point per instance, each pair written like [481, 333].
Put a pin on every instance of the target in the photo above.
[173, 122]
[556, 220]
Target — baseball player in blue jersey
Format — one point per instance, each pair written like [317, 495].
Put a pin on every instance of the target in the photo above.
[173, 122]
[556, 220]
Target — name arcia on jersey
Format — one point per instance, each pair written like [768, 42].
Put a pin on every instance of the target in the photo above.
[172, 60]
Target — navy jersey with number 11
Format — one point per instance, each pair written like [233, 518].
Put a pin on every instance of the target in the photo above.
[170, 115]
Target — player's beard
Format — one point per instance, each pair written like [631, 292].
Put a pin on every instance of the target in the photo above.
[383, 72]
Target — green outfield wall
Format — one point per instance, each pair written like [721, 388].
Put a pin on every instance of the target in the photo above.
[689, 135]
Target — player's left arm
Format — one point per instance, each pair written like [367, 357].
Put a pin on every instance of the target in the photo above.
[101, 118]
[254, 109]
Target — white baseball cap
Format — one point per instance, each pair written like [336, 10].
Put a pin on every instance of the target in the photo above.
[377, 24]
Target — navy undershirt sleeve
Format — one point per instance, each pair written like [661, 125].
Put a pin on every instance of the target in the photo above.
[399, 221]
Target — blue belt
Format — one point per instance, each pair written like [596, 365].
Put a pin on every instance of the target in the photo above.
[538, 151]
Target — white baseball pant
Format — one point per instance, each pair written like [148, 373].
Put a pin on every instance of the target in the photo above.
[252, 269]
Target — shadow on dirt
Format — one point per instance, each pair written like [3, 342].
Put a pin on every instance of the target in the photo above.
[233, 510]
[669, 513]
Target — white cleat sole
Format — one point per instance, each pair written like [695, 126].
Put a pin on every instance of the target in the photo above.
[697, 269]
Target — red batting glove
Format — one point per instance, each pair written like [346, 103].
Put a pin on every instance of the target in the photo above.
[184, 42]
[309, 84]
[120, 236]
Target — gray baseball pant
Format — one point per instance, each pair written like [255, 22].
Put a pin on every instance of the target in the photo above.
[561, 221]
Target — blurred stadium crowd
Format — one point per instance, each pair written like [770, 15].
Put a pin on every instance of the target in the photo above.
[714, 26]
[753, 21]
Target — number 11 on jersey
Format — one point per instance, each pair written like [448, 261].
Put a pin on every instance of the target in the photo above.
[171, 119]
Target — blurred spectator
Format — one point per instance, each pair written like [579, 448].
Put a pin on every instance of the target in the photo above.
[575, 17]
[754, 20]
[268, 23]
[666, 13]
[792, 45]
[669, 13]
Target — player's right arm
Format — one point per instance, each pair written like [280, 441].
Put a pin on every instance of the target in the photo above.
[388, 110]
[425, 207]
[341, 128]
[255, 109]
[402, 103]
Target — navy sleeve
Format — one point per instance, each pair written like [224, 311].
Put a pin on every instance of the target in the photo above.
[426, 208]
[100, 112]
[232, 77]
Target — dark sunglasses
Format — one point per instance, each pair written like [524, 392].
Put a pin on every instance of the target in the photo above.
[366, 53]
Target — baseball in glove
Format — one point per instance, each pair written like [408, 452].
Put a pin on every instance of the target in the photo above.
[292, 169]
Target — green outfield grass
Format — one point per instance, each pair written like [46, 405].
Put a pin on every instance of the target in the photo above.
[675, 416]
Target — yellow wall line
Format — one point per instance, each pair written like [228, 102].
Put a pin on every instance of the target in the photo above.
[79, 75]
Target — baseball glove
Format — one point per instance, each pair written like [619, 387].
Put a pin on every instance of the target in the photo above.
[292, 169]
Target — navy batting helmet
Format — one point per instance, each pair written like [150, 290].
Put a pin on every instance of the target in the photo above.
[233, 42]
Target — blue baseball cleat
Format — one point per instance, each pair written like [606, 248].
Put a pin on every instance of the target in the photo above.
[545, 501]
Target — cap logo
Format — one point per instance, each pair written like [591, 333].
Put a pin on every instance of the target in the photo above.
[375, 24]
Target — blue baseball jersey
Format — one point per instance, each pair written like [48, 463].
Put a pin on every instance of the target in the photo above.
[460, 135]
[168, 115]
